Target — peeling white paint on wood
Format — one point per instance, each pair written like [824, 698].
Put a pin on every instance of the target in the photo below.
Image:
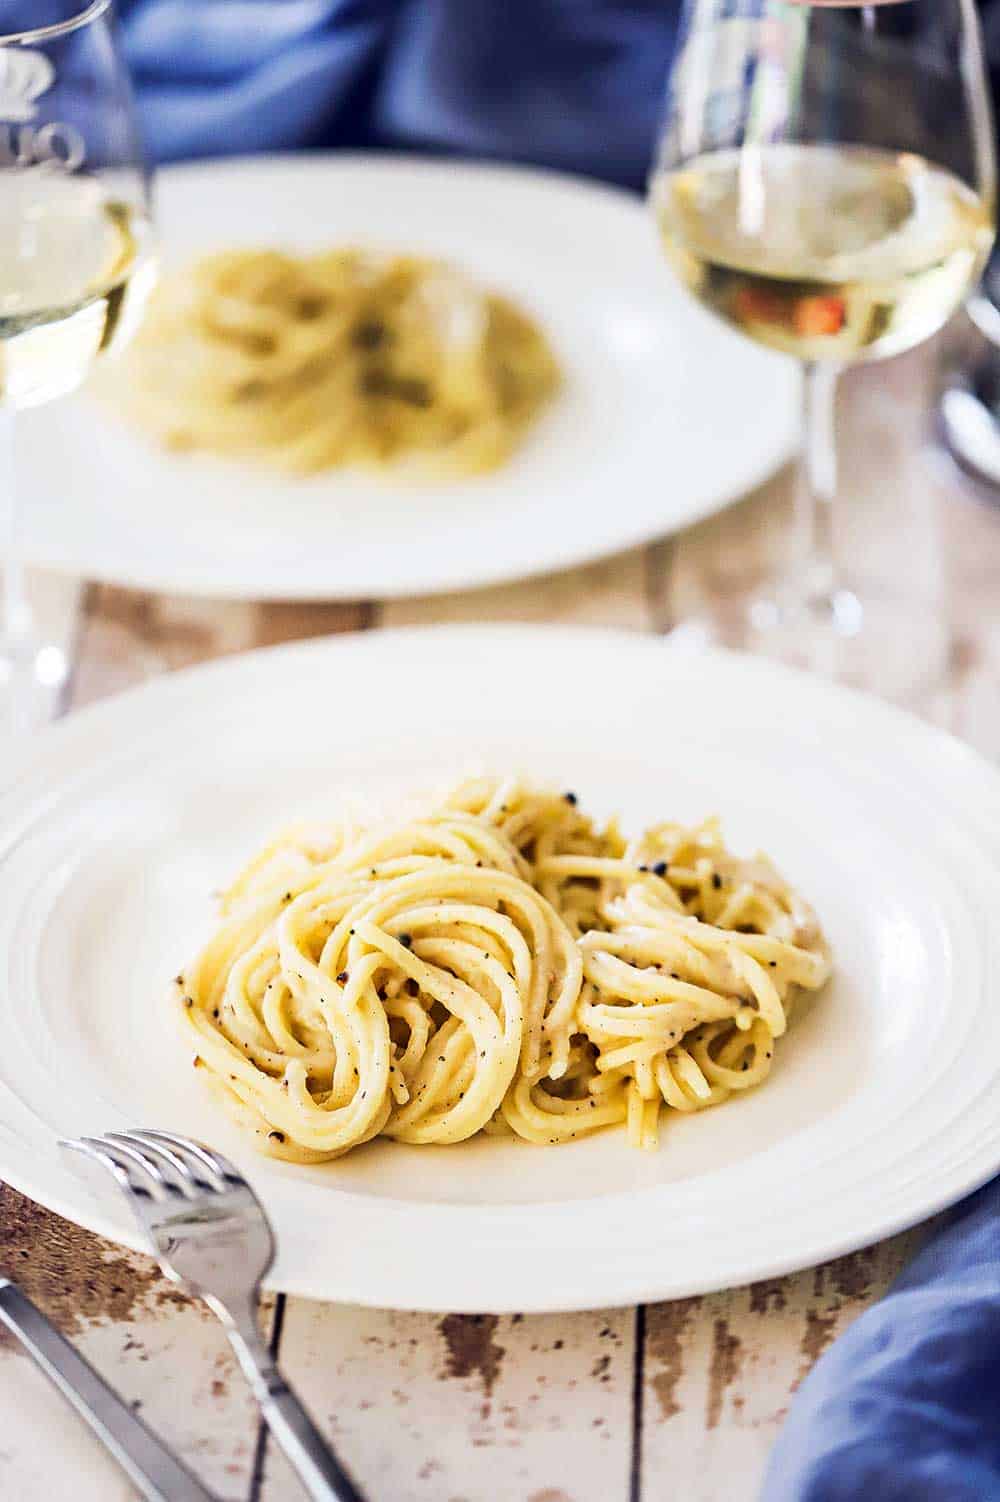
[719, 1372]
[45, 1452]
[165, 1355]
[426, 1408]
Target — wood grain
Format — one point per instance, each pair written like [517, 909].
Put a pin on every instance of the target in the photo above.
[164, 1353]
[719, 1372]
[615, 592]
[427, 1407]
[128, 637]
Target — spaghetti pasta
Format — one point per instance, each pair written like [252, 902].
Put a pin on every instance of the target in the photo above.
[304, 363]
[495, 963]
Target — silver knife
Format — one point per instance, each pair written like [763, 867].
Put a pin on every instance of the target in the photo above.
[154, 1471]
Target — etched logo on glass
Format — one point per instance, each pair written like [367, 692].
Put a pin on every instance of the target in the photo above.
[24, 77]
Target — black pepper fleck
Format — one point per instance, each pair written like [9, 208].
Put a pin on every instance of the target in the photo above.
[368, 334]
[310, 307]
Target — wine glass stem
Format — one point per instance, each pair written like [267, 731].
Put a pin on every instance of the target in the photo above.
[817, 483]
[17, 622]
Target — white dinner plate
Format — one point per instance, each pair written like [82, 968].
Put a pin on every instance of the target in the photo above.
[882, 1107]
[666, 414]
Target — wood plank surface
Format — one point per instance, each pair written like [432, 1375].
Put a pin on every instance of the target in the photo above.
[163, 1352]
[473, 1408]
[719, 1372]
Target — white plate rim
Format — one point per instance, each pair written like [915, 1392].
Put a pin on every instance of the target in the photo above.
[959, 762]
[44, 547]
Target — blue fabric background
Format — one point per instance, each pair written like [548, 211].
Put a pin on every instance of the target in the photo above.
[570, 83]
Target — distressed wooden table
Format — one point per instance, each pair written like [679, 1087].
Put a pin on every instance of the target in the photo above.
[676, 1400]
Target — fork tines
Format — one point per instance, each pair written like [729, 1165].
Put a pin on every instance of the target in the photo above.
[154, 1163]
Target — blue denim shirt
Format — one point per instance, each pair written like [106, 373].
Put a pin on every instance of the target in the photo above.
[576, 84]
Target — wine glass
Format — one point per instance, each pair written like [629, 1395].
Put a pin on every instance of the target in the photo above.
[826, 184]
[76, 262]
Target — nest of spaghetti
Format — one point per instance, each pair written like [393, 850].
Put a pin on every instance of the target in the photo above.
[348, 357]
[495, 963]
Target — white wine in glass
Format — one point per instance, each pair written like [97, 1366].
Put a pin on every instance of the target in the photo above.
[76, 253]
[826, 184]
[79, 292]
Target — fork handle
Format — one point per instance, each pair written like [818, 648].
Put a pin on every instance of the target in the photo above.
[319, 1470]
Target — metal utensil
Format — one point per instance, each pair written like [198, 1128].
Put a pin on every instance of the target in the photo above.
[969, 401]
[150, 1466]
[969, 415]
[210, 1234]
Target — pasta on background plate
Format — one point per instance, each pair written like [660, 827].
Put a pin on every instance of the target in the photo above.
[348, 357]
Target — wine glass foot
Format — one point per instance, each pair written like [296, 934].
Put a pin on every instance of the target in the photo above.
[31, 676]
[897, 650]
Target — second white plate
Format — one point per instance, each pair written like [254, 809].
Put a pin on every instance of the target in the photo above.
[666, 415]
[882, 1105]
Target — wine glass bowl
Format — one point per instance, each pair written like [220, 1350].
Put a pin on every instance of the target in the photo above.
[826, 183]
[839, 253]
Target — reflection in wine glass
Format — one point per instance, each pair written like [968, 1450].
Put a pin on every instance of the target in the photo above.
[76, 261]
[826, 184]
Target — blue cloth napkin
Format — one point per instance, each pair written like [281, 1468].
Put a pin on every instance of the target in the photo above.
[576, 84]
[905, 1407]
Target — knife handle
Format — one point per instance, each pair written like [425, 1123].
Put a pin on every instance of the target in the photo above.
[156, 1473]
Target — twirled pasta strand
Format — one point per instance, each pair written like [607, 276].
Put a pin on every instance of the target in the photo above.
[495, 964]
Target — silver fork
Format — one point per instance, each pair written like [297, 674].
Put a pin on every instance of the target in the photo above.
[210, 1234]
